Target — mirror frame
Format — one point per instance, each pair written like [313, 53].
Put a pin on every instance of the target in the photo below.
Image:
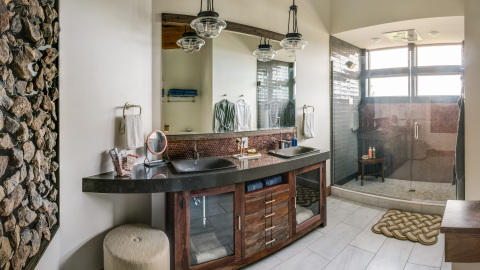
[148, 142]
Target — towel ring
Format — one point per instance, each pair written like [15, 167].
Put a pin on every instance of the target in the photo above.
[307, 106]
[128, 106]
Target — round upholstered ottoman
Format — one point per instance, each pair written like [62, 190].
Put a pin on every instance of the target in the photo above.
[136, 246]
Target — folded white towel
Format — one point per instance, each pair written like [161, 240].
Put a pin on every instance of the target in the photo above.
[209, 255]
[133, 131]
[302, 214]
[309, 125]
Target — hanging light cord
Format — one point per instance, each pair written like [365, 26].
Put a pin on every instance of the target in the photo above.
[209, 5]
[294, 21]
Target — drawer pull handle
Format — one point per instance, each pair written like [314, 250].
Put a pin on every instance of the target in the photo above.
[269, 202]
[271, 215]
[269, 242]
[239, 222]
[268, 229]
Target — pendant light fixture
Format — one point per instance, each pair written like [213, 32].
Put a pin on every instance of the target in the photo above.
[264, 52]
[293, 41]
[190, 42]
[208, 25]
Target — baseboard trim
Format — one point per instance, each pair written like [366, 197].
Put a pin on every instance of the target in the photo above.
[329, 190]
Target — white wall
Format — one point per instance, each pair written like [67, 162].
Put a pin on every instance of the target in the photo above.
[105, 61]
[352, 14]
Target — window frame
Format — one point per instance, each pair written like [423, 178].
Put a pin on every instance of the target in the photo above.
[412, 72]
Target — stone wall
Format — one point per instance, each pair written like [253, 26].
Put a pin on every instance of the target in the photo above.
[29, 32]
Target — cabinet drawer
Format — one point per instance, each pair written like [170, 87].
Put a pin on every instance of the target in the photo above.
[273, 232]
[266, 201]
[261, 216]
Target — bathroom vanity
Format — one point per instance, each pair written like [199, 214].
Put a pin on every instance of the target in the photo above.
[212, 222]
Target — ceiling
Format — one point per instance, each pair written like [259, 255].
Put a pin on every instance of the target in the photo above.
[451, 30]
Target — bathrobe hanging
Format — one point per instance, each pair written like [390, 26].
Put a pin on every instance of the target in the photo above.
[243, 115]
[224, 116]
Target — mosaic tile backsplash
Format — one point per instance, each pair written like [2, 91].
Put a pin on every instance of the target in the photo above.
[223, 147]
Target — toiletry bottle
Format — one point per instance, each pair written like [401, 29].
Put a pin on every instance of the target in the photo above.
[370, 152]
[294, 141]
[374, 154]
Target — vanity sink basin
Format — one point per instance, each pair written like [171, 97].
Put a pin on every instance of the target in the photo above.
[202, 165]
[292, 151]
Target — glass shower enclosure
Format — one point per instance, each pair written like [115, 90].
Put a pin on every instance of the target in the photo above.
[404, 105]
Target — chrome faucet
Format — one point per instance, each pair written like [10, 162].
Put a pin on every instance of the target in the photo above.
[196, 154]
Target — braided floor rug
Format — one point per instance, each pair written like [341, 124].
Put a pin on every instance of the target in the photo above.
[403, 225]
[306, 196]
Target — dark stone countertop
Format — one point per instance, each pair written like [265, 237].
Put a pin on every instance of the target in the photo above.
[165, 179]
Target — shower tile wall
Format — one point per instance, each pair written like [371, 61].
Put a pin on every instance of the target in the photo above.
[345, 87]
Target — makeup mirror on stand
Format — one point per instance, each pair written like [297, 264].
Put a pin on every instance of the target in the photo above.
[157, 144]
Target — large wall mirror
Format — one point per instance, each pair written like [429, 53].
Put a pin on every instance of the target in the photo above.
[224, 71]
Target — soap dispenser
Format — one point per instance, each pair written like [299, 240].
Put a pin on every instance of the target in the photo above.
[294, 140]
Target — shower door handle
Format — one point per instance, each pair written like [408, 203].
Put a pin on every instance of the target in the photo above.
[416, 130]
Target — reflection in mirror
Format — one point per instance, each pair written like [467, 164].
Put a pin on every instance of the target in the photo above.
[226, 74]
[156, 144]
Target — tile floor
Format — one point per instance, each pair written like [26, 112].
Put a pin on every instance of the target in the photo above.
[347, 243]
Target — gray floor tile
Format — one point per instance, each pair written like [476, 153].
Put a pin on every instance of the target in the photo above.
[196, 211]
[411, 266]
[334, 217]
[351, 258]
[197, 226]
[222, 220]
[428, 255]
[304, 260]
[333, 201]
[266, 263]
[393, 255]
[369, 240]
[446, 265]
[349, 205]
[228, 206]
[362, 216]
[297, 246]
[332, 243]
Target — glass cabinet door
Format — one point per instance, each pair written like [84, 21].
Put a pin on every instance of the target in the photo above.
[308, 195]
[212, 230]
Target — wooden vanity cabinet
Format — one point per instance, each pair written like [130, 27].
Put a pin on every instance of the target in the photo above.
[249, 226]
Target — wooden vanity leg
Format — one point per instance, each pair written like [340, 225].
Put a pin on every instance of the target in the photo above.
[363, 173]
[383, 175]
[356, 173]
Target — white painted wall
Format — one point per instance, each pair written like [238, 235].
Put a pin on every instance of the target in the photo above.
[352, 14]
[105, 61]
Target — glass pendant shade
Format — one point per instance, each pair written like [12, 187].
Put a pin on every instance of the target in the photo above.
[190, 42]
[264, 53]
[208, 25]
[293, 41]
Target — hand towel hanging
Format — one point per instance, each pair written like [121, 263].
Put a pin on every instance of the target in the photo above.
[308, 123]
[133, 131]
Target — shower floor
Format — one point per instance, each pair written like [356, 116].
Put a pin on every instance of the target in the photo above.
[400, 189]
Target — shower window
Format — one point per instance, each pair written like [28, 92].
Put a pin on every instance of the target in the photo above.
[443, 85]
[388, 87]
[440, 55]
[391, 58]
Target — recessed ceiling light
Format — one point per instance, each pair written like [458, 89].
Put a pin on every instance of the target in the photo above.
[376, 40]
[434, 34]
